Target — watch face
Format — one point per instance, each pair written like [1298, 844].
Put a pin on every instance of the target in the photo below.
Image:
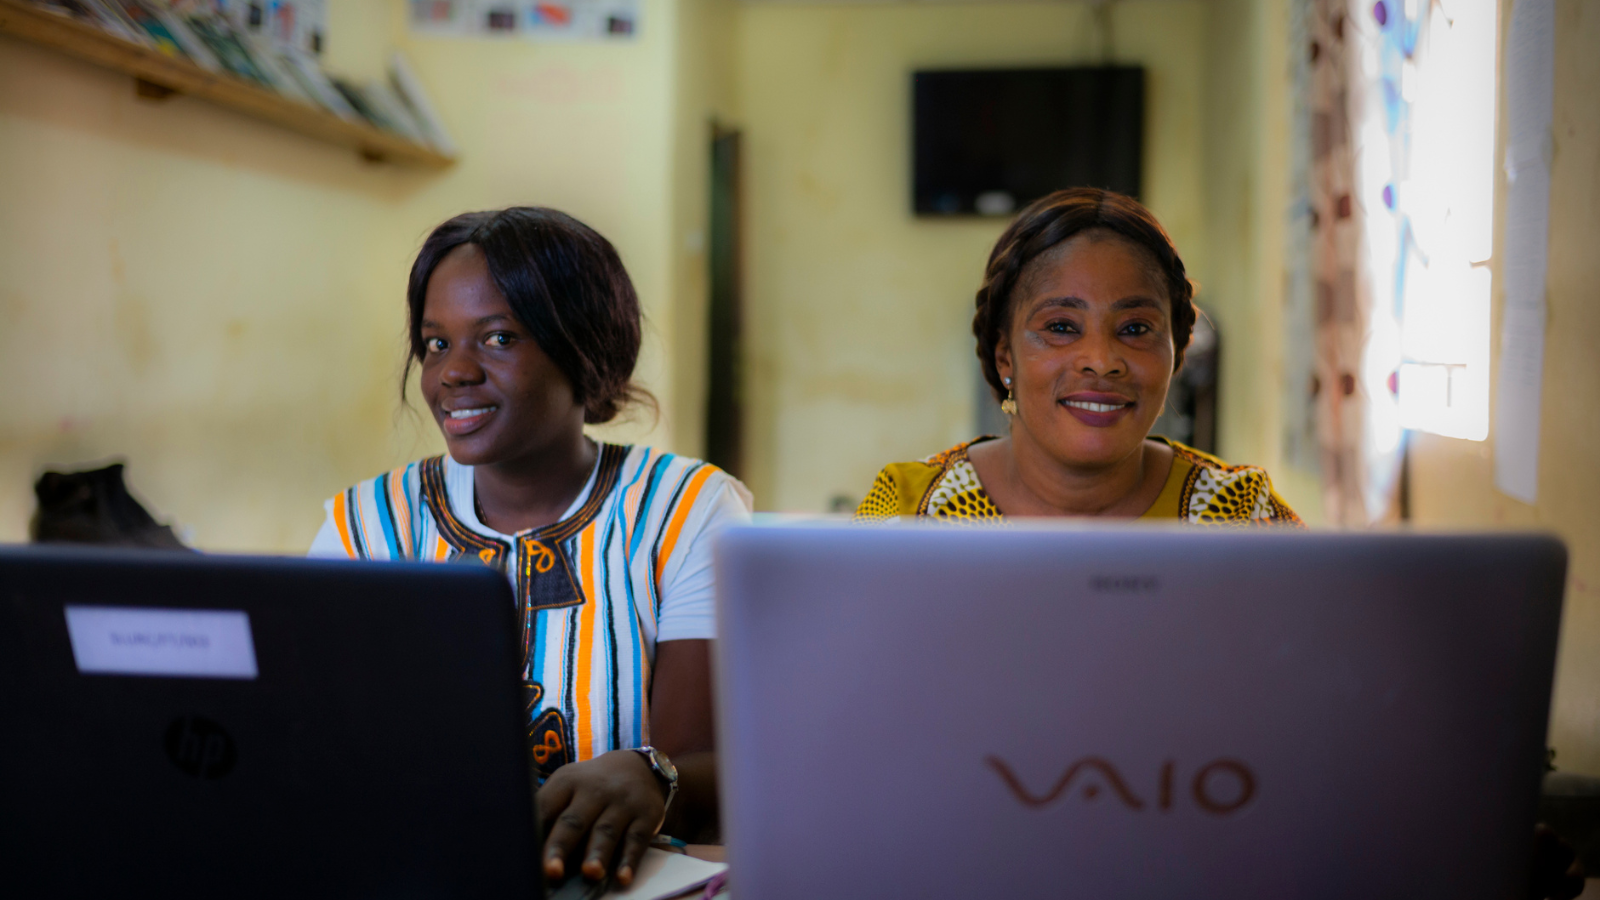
[664, 765]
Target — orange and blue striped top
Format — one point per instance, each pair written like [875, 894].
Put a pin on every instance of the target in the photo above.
[627, 567]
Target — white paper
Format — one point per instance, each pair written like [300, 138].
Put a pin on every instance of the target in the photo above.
[1530, 109]
[544, 20]
[194, 643]
[663, 874]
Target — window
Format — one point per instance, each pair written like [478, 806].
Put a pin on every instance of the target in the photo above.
[1427, 180]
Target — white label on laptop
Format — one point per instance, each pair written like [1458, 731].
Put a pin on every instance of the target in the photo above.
[197, 643]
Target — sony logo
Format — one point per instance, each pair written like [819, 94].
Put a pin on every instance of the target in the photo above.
[1220, 787]
[1126, 583]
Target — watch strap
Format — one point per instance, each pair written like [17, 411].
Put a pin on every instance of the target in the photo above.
[668, 777]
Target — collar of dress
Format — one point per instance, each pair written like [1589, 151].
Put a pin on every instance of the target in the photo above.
[545, 575]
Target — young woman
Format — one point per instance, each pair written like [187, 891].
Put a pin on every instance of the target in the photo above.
[526, 327]
[1082, 320]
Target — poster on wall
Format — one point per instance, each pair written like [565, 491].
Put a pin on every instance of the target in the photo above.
[549, 20]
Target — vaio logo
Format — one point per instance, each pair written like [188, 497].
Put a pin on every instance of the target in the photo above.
[1220, 787]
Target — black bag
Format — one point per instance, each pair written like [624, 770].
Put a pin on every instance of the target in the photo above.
[94, 507]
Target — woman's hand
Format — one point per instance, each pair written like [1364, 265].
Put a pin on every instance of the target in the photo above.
[593, 807]
[615, 801]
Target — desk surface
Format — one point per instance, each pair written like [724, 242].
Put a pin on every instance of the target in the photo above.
[708, 852]
[719, 853]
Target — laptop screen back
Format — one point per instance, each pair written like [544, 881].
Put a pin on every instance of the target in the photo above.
[228, 727]
[1132, 713]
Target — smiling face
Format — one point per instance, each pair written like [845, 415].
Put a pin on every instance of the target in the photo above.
[1089, 350]
[495, 394]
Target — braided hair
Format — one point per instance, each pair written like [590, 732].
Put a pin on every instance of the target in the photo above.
[1054, 219]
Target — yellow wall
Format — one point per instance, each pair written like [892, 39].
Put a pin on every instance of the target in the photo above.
[858, 314]
[220, 302]
[1247, 213]
[203, 295]
[704, 95]
[1453, 480]
[588, 128]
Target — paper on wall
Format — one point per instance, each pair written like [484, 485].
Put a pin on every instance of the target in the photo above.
[1530, 110]
[534, 20]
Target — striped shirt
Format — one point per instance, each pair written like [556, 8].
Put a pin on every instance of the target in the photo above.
[628, 566]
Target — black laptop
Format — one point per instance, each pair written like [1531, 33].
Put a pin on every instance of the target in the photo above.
[231, 727]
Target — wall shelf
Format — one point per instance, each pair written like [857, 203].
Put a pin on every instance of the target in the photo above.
[157, 75]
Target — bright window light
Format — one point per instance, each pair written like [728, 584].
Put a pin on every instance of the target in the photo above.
[1443, 201]
[1444, 375]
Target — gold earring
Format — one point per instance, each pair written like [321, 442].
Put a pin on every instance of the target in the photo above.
[1009, 404]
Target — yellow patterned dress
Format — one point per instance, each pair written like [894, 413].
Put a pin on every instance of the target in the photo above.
[1200, 489]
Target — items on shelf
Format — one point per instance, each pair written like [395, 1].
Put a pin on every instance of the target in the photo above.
[301, 24]
[270, 45]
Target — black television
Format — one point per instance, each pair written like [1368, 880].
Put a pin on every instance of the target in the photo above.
[990, 141]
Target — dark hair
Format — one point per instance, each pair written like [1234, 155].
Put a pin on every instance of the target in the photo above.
[1058, 217]
[565, 284]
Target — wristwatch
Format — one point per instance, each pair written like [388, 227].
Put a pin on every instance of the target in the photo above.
[665, 771]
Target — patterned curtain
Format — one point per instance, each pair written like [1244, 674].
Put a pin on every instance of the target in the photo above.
[1356, 333]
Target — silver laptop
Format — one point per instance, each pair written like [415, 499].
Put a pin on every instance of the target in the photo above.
[1026, 712]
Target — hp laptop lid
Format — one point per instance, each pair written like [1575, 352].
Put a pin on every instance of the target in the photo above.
[916, 712]
[190, 727]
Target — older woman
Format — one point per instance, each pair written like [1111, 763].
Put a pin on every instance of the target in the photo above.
[1082, 321]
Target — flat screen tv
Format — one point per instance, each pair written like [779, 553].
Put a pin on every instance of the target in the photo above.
[990, 141]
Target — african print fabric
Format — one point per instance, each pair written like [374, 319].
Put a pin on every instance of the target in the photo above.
[1200, 489]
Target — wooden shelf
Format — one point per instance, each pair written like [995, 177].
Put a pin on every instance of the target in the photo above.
[158, 75]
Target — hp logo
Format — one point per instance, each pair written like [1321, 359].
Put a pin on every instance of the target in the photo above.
[200, 747]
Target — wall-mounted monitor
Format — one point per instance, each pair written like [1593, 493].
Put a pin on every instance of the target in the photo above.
[990, 141]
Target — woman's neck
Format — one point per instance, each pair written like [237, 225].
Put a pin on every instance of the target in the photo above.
[1024, 480]
[533, 491]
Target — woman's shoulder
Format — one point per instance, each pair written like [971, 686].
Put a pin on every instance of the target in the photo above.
[376, 518]
[905, 488]
[407, 478]
[654, 484]
[675, 505]
[642, 463]
[1205, 490]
